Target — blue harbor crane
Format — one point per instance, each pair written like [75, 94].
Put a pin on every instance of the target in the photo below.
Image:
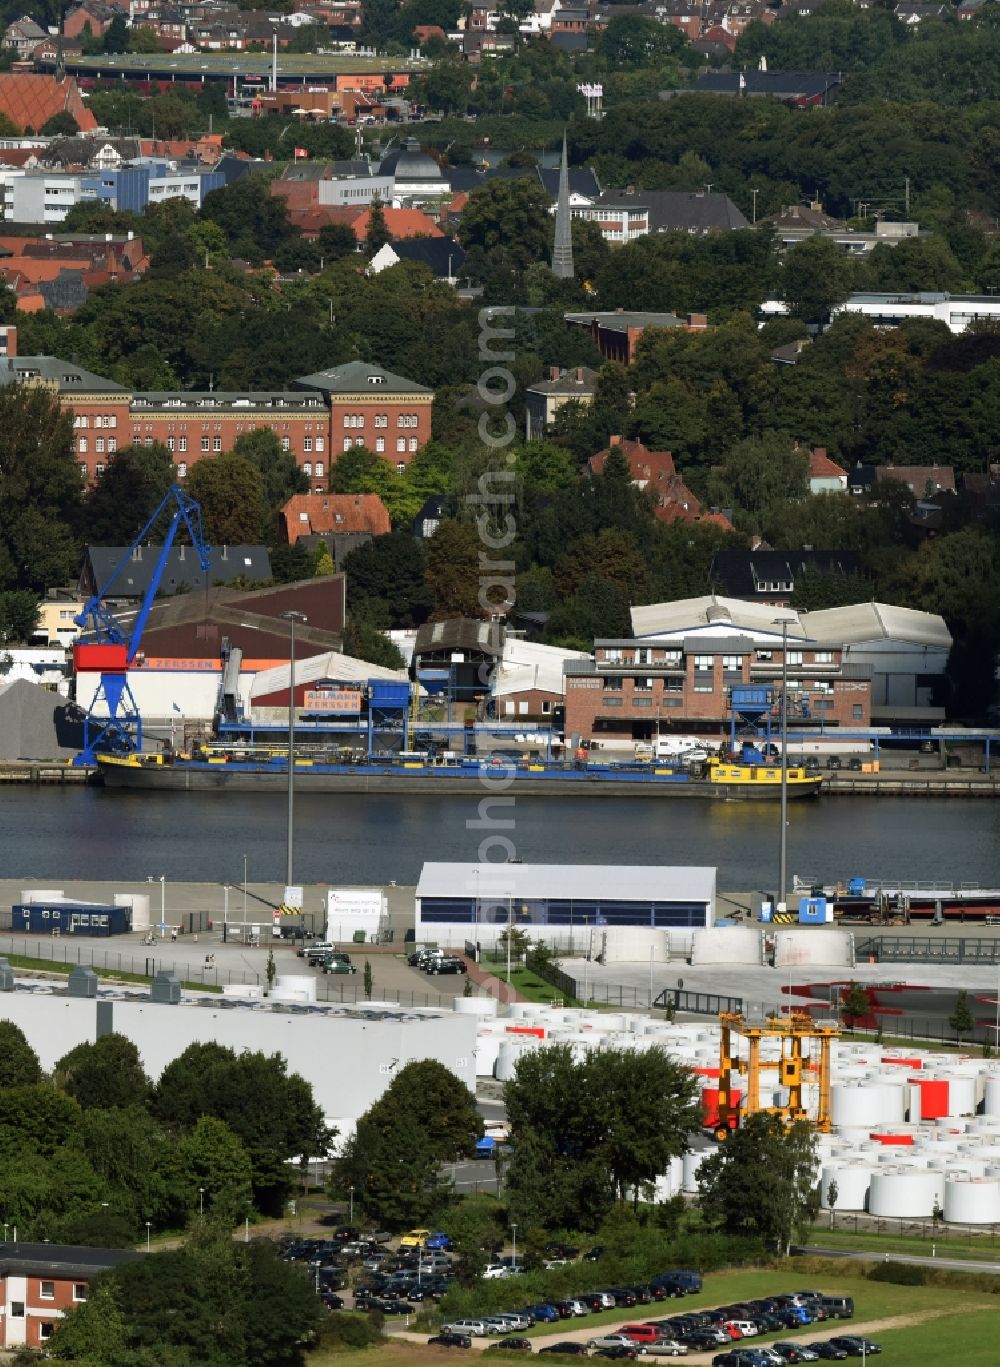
[113, 722]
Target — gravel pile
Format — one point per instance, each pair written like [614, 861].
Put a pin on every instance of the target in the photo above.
[37, 724]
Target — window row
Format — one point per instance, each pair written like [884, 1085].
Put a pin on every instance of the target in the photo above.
[101, 445]
[82, 420]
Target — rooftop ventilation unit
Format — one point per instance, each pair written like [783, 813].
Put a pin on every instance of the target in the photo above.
[82, 982]
[166, 988]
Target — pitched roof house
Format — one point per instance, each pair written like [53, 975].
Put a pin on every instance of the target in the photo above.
[310, 514]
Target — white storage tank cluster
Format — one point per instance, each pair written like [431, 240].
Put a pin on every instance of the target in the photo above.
[912, 1131]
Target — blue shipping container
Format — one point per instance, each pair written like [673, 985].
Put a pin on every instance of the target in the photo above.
[69, 918]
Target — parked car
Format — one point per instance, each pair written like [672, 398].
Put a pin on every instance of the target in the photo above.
[577, 1350]
[566, 1251]
[475, 1328]
[665, 1348]
[449, 1340]
[611, 1341]
[416, 1238]
[594, 1254]
[332, 965]
[621, 1351]
[331, 1301]
[567, 1309]
[856, 1347]
[449, 965]
[438, 1240]
[513, 1345]
[392, 1307]
[543, 1312]
[828, 1351]
[797, 1352]
[495, 1272]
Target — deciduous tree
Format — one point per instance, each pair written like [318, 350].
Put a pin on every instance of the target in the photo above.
[105, 1074]
[230, 489]
[761, 1182]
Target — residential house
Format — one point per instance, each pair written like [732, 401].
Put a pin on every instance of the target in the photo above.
[624, 215]
[544, 398]
[801, 88]
[654, 472]
[322, 513]
[921, 480]
[617, 334]
[23, 36]
[443, 256]
[429, 519]
[183, 572]
[825, 476]
[766, 576]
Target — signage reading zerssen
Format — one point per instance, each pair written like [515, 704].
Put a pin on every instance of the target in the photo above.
[352, 909]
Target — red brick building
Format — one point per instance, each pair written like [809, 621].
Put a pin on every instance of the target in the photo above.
[355, 404]
[42, 1282]
[316, 514]
[681, 679]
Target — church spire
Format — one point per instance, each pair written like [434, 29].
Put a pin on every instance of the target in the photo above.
[562, 252]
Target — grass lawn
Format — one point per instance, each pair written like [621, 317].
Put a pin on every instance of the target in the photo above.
[983, 1247]
[115, 975]
[968, 1339]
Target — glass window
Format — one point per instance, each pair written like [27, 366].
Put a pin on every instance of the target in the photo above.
[79, 1291]
[857, 712]
[732, 662]
[320, 444]
[170, 443]
[204, 443]
[182, 443]
[400, 443]
[99, 469]
[307, 469]
[81, 445]
[216, 443]
[112, 444]
[347, 447]
[380, 443]
[45, 1330]
[182, 469]
[47, 1291]
[400, 466]
[795, 657]
[703, 664]
[347, 423]
[286, 444]
[320, 468]
[613, 683]
[823, 657]
[17, 1310]
[307, 443]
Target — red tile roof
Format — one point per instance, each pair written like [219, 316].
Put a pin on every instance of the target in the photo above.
[822, 467]
[400, 222]
[29, 101]
[651, 468]
[306, 514]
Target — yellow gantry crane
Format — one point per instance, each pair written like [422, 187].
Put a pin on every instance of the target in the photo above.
[795, 1067]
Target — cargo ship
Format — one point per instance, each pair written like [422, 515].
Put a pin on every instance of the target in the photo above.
[228, 769]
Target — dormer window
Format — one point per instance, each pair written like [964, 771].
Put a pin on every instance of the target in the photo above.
[376, 379]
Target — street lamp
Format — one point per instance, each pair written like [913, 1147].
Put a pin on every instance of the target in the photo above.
[291, 618]
[225, 913]
[350, 1213]
[783, 846]
[513, 1256]
[163, 905]
[201, 1202]
[147, 1235]
[244, 894]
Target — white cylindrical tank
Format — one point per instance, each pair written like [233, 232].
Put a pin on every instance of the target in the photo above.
[852, 1182]
[294, 987]
[809, 945]
[902, 1192]
[991, 1104]
[475, 1006]
[961, 1093]
[726, 945]
[508, 1054]
[487, 1053]
[972, 1200]
[692, 1162]
[855, 1104]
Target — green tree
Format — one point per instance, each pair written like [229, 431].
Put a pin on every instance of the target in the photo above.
[854, 1005]
[61, 125]
[246, 211]
[961, 1019]
[281, 475]
[761, 1183]
[377, 234]
[815, 277]
[116, 35]
[512, 215]
[40, 488]
[38, 1115]
[368, 980]
[389, 571]
[453, 570]
[93, 1332]
[584, 1134]
[336, 241]
[174, 255]
[445, 87]
[816, 589]
[126, 495]
[758, 474]
[19, 1065]
[271, 1111]
[217, 1167]
[105, 1074]
[18, 615]
[424, 1119]
[230, 489]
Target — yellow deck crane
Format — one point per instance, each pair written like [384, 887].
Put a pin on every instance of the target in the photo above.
[795, 1067]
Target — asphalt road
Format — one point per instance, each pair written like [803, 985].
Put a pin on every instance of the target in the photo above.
[868, 1255]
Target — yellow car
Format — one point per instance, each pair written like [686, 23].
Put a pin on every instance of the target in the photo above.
[417, 1238]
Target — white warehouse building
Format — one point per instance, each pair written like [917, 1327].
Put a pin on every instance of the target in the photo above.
[625, 910]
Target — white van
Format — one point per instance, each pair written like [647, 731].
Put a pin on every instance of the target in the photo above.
[747, 1328]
